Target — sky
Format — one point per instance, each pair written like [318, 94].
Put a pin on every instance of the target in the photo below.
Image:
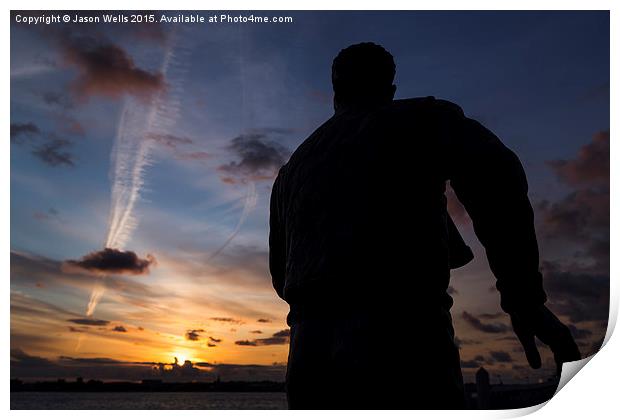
[142, 158]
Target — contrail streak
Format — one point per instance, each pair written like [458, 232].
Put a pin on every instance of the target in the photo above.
[79, 342]
[131, 152]
[129, 168]
[249, 204]
[95, 296]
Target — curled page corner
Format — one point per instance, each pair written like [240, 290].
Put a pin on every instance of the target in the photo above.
[518, 412]
[569, 370]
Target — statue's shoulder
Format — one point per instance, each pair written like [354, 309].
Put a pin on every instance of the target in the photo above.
[429, 103]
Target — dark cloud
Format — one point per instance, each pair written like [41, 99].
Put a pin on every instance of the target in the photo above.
[169, 140]
[577, 294]
[464, 342]
[495, 328]
[46, 146]
[597, 249]
[57, 99]
[199, 155]
[119, 328]
[109, 261]
[258, 157]
[470, 364]
[193, 335]
[89, 321]
[501, 356]
[271, 341]
[26, 360]
[256, 332]
[54, 152]
[263, 320]
[226, 319]
[508, 338]
[215, 340]
[176, 144]
[92, 360]
[46, 215]
[580, 216]
[579, 333]
[526, 368]
[591, 166]
[105, 69]
[280, 337]
[245, 343]
[21, 130]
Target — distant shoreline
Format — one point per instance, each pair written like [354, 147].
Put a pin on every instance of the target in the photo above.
[146, 385]
[27, 394]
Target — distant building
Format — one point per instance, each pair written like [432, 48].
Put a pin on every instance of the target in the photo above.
[483, 395]
[483, 388]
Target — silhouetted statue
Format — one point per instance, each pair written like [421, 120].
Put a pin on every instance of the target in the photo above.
[361, 245]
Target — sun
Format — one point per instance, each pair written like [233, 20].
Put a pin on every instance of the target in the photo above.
[181, 357]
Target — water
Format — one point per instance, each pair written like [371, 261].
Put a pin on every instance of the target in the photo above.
[148, 401]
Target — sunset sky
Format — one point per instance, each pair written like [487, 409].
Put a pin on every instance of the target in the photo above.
[202, 116]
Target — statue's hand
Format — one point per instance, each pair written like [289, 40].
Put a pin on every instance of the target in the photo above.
[542, 323]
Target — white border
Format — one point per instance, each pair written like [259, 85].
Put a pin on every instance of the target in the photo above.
[591, 395]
